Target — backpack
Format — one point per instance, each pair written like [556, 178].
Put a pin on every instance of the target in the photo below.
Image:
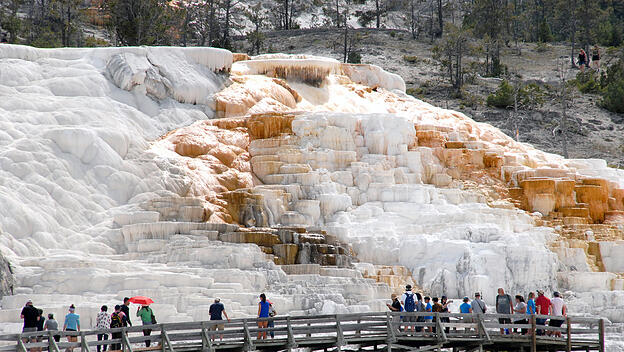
[410, 305]
[115, 321]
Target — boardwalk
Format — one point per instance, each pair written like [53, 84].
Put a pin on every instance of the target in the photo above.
[362, 331]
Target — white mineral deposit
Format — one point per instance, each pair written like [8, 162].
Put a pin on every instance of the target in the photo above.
[177, 174]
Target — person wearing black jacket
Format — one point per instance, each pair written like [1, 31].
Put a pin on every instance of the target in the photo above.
[125, 308]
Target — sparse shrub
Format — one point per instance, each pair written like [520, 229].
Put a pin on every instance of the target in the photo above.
[92, 42]
[393, 34]
[416, 91]
[586, 82]
[544, 33]
[503, 97]
[365, 17]
[542, 47]
[412, 59]
[528, 96]
[354, 58]
[470, 100]
[613, 98]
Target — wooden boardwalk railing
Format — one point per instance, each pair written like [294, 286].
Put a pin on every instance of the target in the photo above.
[389, 331]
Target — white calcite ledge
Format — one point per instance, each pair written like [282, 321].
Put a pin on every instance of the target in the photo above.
[96, 204]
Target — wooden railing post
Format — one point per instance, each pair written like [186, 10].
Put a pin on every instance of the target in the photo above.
[601, 335]
[125, 342]
[206, 342]
[568, 335]
[248, 344]
[166, 343]
[21, 347]
[84, 347]
[52, 346]
[533, 334]
[292, 343]
[340, 340]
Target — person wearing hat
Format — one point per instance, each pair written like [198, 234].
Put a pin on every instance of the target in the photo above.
[477, 305]
[72, 323]
[216, 311]
[542, 303]
[559, 309]
[396, 305]
[408, 300]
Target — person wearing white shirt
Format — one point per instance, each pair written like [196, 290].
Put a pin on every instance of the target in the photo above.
[559, 309]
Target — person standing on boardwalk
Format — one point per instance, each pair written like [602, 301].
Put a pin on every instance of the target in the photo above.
[542, 304]
[531, 309]
[466, 308]
[445, 309]
[428, 308]
[52, 325]
[118, 320]
[271, 323]
[408, 300]
[559, 309]
[216, 311]
[396, 305]
[102, 322]
[147, 318]
[125, 308]
[477, 305]
[30, 315]
[72, 323]
[40, 323]
[503, 306]
[520, 308]
[436, 308]
[263, 312]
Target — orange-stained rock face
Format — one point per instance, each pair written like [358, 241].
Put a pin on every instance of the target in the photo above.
[215, 158]
[255, 94]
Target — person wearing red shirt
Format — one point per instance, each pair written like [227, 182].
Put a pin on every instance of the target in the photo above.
[543, 308]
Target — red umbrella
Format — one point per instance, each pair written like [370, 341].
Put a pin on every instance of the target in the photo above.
[141, 300]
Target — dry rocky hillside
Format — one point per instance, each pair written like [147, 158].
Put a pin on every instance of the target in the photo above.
[594, 132]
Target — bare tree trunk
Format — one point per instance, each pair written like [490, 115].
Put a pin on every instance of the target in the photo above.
[337, 13]
[226, 25]
[346, 38]
[378, 13]
[286, 17]
[440, 19]
[412, 27]
[211, 17]
[573, 32]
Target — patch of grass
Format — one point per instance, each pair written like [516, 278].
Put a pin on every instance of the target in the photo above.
[470, 100]
[417, 92]
[92, 42]
[542, 47]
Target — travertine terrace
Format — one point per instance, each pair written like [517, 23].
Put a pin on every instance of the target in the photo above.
[187, 174]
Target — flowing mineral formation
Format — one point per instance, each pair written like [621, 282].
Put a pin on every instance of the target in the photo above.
[186, 174]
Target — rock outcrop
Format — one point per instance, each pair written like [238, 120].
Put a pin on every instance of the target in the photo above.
[7, 281]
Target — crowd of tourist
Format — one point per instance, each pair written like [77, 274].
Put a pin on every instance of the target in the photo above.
[34, 321]
[414, 302]
[408, 302]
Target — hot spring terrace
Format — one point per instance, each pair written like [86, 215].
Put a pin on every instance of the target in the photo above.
[364, 331]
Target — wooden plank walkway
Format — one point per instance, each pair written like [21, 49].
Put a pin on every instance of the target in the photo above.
[385, 331]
